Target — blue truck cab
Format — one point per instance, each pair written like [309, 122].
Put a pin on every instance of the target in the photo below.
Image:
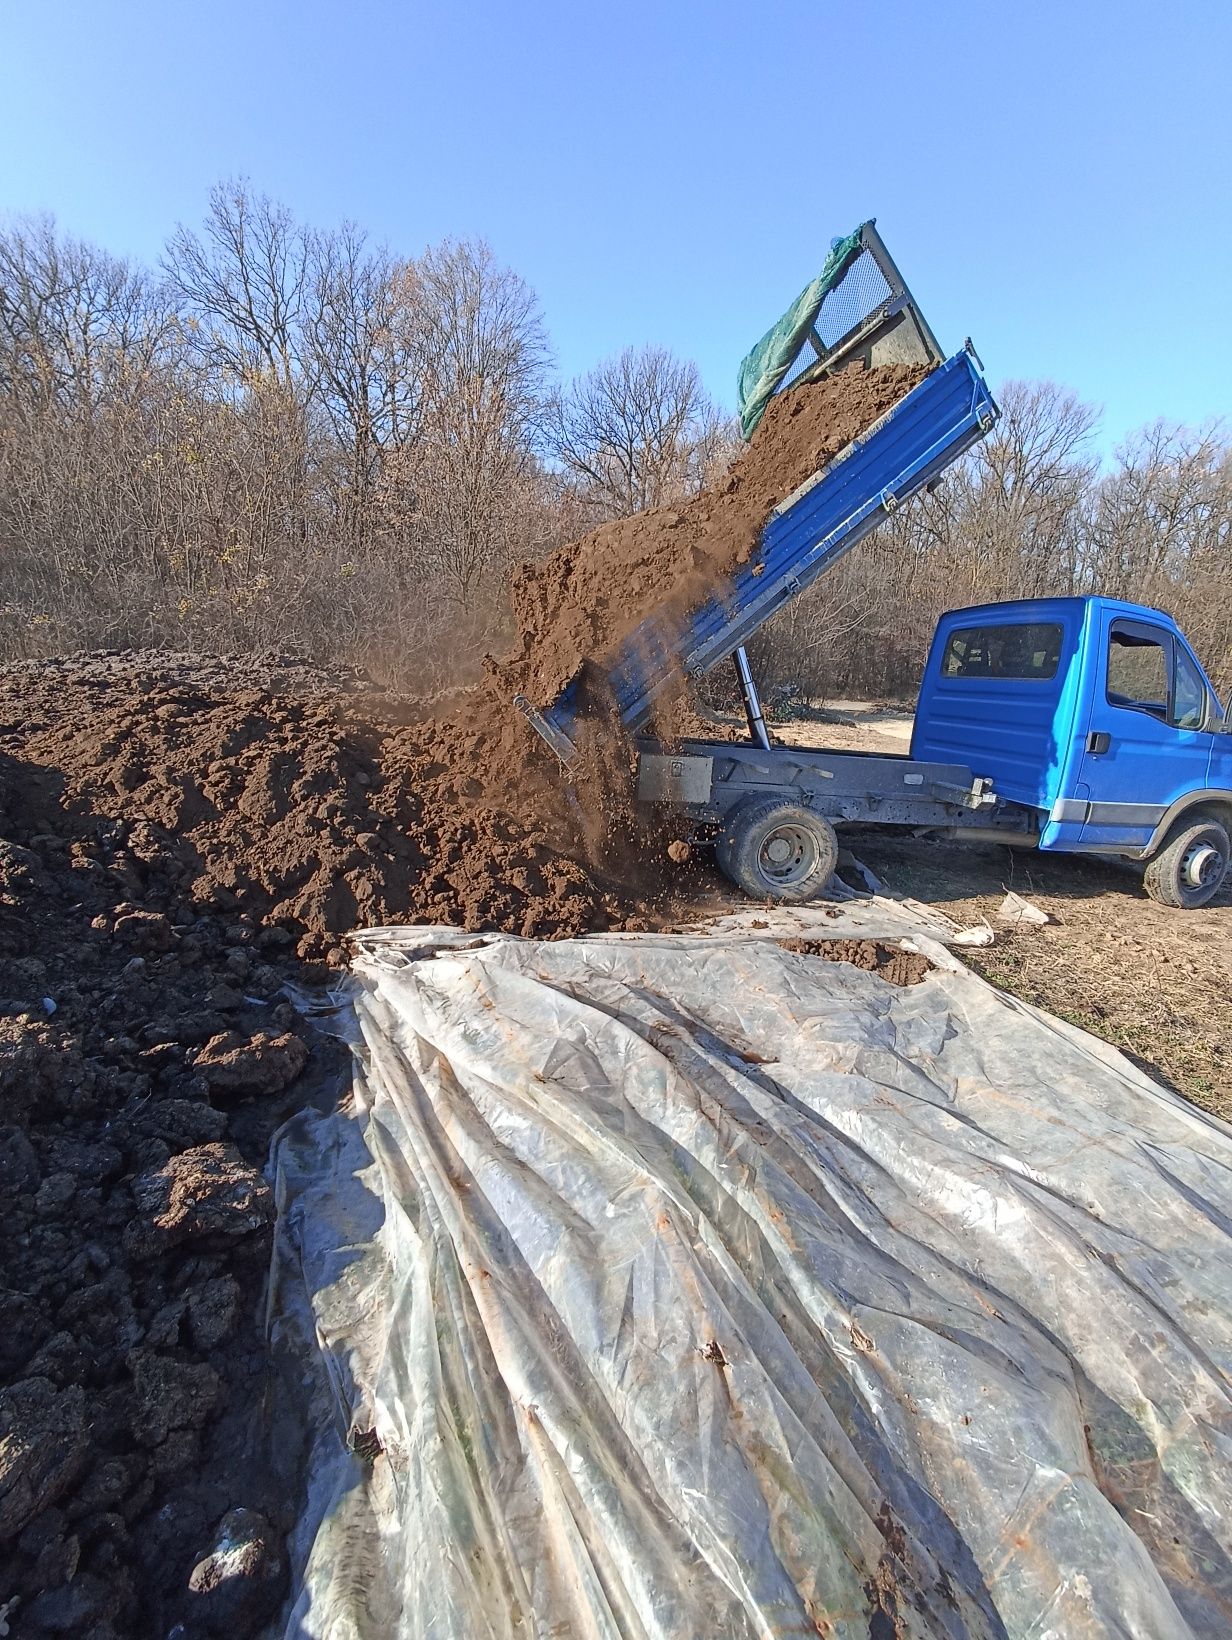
[1094, 721]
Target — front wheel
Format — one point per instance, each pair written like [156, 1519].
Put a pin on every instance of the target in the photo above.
[777, 850]
[1190, 868]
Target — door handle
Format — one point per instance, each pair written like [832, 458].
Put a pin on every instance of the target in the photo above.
[1098, 741]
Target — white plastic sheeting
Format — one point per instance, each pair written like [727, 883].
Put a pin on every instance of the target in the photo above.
[685, 1285]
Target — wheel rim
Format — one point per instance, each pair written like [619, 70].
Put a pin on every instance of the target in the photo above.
[788, 855]
[1203, 866]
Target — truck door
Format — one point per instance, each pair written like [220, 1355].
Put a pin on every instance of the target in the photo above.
[1145, 746]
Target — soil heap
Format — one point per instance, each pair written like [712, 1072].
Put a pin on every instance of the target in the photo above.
[178, 836]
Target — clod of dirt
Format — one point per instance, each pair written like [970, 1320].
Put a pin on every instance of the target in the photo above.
[888, 962]
[56, 1550]
[44, 1444]
[180, 1123]
[145, 931]
[247, 1067]
[20, 872]
[82, 1159]
[19, 1164]
[213, 1311]
[169, 1395]
[70, 1609]
[202, 1194]
[40, 1069]
[237, 1582]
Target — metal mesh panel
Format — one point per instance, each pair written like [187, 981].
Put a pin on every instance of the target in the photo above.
[860, 292]
[858, 308]
[804, 360]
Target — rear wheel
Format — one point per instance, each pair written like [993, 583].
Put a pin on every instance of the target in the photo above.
[1190, 868]
[777, 850]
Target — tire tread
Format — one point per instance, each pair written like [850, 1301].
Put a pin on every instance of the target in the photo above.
[1162, 877]
[736, 848]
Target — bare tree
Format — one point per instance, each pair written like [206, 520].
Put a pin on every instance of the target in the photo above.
[363, 361]
[482, 356]
[241, 281]
[1161, 530]
[1014, 510]
[637, 432]
[1165, 502]
[72, 318]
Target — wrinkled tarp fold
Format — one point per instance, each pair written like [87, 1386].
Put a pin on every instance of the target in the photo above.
[764, 366]
[685, 1285]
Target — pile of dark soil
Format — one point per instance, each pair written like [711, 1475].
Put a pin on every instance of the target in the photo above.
[178, 836]
[317, 811]
[145, 1058]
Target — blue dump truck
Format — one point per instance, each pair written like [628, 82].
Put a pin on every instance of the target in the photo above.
[1072, 725]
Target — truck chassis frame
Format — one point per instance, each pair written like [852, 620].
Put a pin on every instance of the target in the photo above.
[707, 780]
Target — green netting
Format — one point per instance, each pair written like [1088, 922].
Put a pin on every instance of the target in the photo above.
[765, 365]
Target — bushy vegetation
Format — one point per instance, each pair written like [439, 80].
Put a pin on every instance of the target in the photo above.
[284, 437]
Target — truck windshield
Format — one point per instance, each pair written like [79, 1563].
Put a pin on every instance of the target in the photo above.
[1011, 651]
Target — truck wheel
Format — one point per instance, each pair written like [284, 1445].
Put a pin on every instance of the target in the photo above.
[1190, 868]
[777, 850]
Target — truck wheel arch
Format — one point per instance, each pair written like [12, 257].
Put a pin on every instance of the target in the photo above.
[1212, 800]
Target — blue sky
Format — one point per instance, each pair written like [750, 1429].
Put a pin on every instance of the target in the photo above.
[1052, 178]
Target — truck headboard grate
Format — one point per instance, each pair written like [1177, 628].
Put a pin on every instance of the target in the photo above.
[867, 314]
[860, 293]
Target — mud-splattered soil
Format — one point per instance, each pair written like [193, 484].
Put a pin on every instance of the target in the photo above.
[145, 1057]
[178, 837]
[316, 812]
[888, 962]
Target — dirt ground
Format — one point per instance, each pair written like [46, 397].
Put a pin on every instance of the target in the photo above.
[176, 841]
[146, 1056]
[852, 726]
[1155, 982]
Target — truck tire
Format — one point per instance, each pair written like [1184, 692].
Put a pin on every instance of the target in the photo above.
[777, 850]
[1190, 868]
